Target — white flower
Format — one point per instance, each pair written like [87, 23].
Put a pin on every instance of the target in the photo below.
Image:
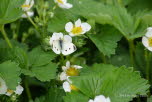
[9, 92]
[3, 87]
[69, 70]
[63, 4]
[100, 98]
[147, 39]
[77, 28]
[29, 13]
[62, 44]
[18, 91]
[27, 5]
[66, 86]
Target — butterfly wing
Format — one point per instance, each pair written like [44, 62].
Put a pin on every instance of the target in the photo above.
[56, 47]
[68, 48]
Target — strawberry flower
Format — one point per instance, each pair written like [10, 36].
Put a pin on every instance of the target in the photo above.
[78, 28]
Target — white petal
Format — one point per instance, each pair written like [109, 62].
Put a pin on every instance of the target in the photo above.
[86, 27]
[78, 23]
[65, 5]
[71, 34]
[77, 67]
[149, 48]
[19, 90]
[28, 2]
[145, 41]
[100, 98]
[63, 76]
[68, 64]
[29, 13]
[90, 100]
[68, 5]
[32, 3]
[149, 32]
[149, 29]
[69, 26]
[67, 38]
[108, 100]
[8, 93]
[64, 68]
[66, 87]
[3, 87]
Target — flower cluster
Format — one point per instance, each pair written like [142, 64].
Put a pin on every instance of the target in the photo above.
[62, 44]
[4, 89]
[69, 70]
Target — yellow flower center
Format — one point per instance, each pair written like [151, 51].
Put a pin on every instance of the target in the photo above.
[60, 1]
[28, 6]
[150, 41]
[72, 72]
[73, 88]
[77, 30]
[10, 91]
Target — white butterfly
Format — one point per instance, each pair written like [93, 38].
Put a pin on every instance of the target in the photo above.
[62, 44]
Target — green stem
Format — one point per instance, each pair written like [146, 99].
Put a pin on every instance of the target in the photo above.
[27, 90]
[29, 18]
[131, 51]
[5, 36]
[147, 64]
[103, 58]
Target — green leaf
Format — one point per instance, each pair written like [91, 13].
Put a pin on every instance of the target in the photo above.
[140, 6]
[53, 95]
[40, 99]
[61, 17]
[16, 54]
[10, 72]
[40, 65]
[91, 9]
[75, 97]
[107, 40]
[121, 57]
[10, 10]
[149, 99]
[46, 72]
[38, 57]
[115, 15]
[110, 81]
[42, 73]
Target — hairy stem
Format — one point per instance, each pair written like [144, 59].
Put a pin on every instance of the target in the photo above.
[27, 89]
[5, 36]
[131, 51]
[103, 58]
[32, 22]
[147, 64]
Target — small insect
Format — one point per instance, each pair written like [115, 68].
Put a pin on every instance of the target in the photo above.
[62, 44]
